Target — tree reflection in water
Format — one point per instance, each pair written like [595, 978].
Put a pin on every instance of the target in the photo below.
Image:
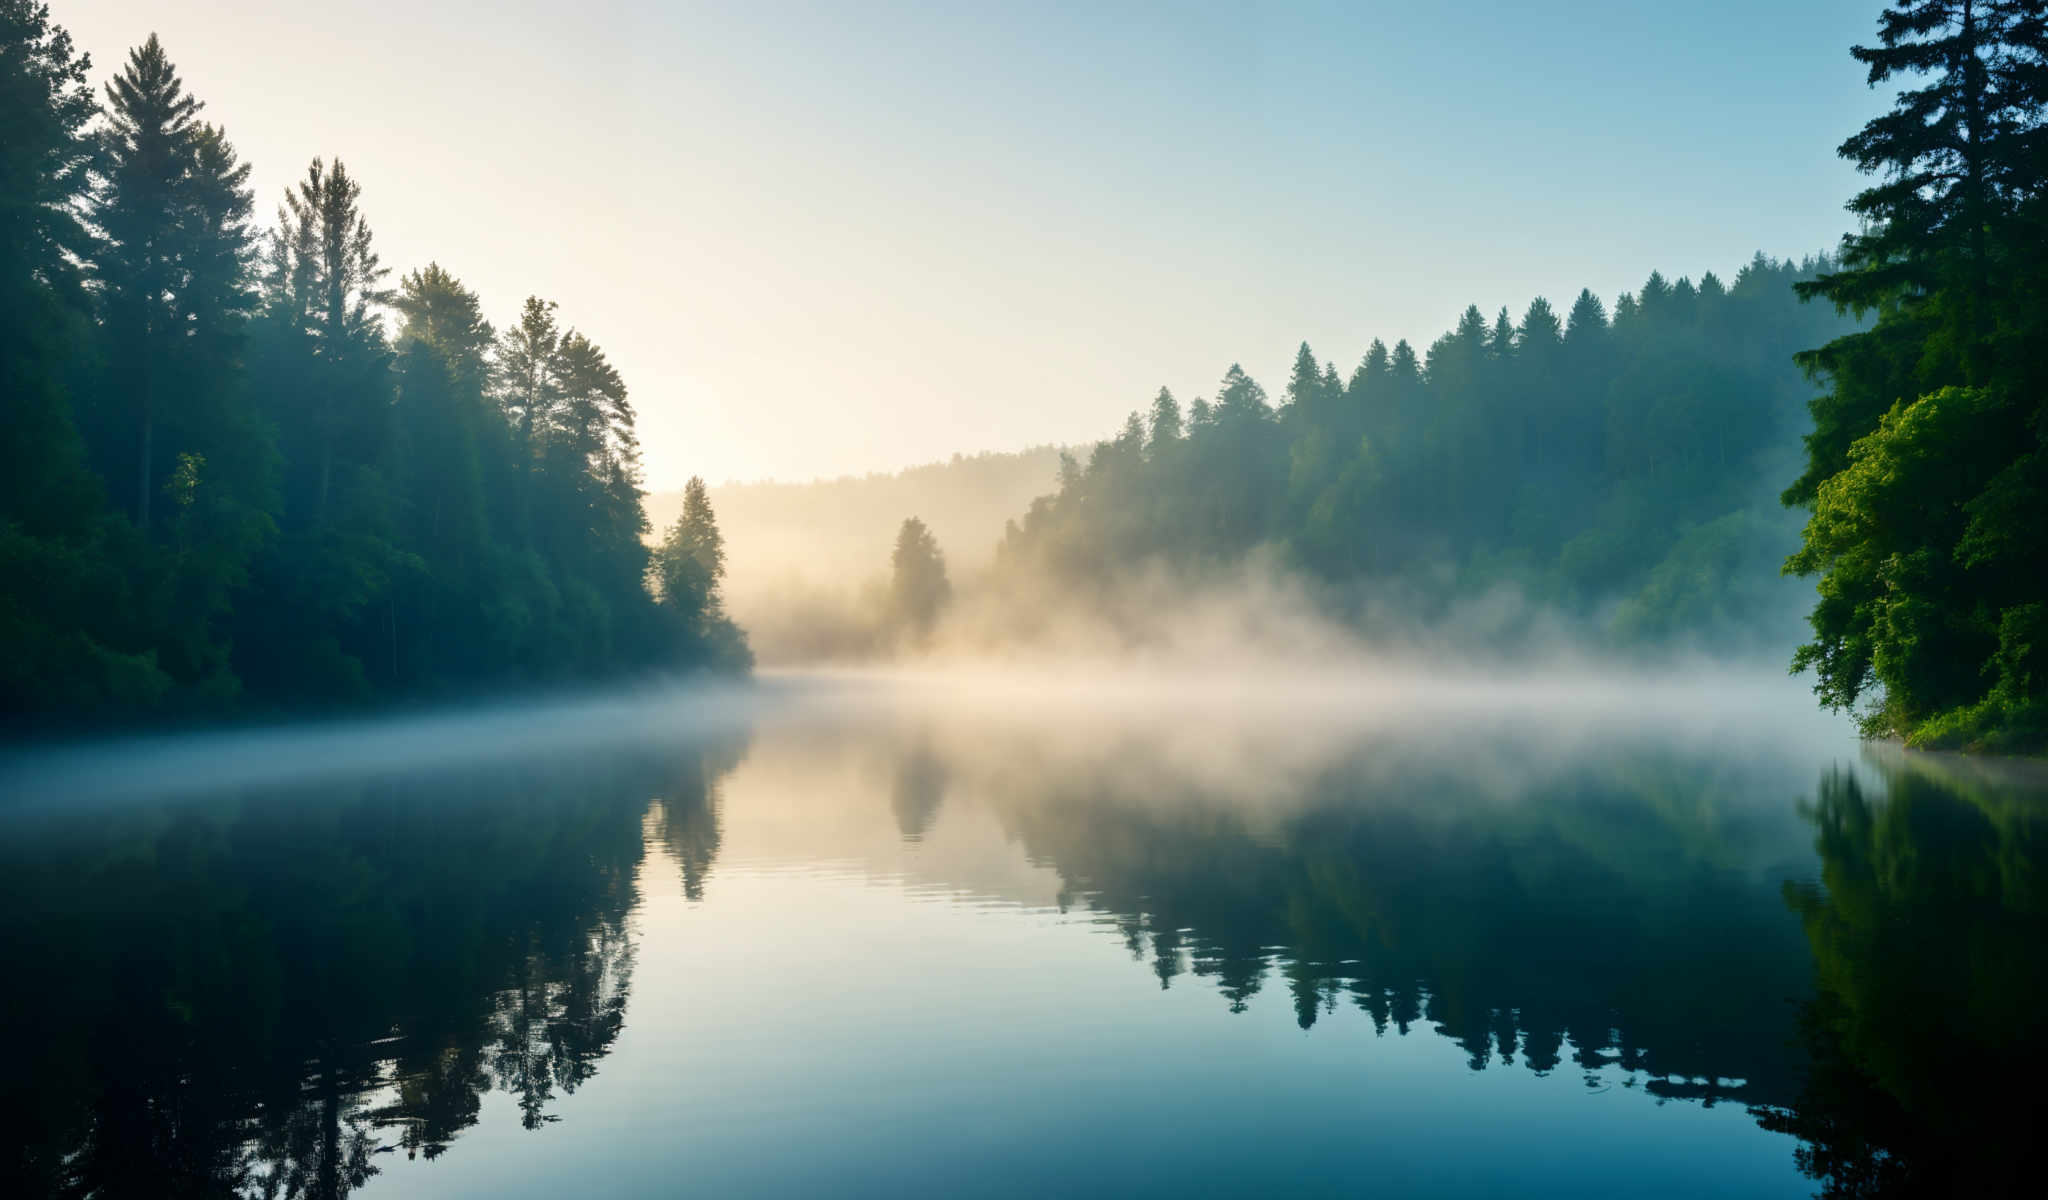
[264, 995]
[268, 996]
[1929, 933]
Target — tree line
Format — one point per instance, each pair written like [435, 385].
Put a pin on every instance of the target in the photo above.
[1612, 463]
[1609, 463]
[249, 468]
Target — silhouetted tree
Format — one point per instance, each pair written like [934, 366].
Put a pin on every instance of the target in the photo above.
[918, 588]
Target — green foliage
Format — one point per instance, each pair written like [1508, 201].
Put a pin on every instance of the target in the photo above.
[1925, 466]
[222, 481]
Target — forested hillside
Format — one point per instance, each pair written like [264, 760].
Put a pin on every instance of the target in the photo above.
[1619, 468]
[248, 467]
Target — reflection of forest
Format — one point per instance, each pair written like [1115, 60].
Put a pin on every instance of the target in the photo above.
[1635, 916]
[265, 996]
[272, 996]
[1618, 918]
[1930, 945]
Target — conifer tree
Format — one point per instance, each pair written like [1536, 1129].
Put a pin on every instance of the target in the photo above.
[1239, 398]
[918, 588]
[690, 564]
[528, 358]
[63, 599]
[1500, 340]
[146, 151]
[1926, 470]
[1165, 421]
[1305, 383]
[1587, 321]
[326, 286]
[1540, 334]
[1370, 378]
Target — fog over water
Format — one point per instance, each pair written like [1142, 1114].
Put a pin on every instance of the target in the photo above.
[1211, 713]
[1213, 921]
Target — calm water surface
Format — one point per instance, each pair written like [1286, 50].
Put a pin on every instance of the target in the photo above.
[850, 939]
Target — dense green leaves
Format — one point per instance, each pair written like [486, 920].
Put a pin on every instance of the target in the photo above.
[223, 480]
[1925, 467]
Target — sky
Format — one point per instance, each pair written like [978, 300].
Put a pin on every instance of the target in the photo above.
[821, 239]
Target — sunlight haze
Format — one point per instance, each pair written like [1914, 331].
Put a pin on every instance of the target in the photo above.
[893, 233]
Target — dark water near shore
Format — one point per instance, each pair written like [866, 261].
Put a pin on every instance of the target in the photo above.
[851, 939]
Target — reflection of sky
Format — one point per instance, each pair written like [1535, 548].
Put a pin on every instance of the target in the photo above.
[820, 238]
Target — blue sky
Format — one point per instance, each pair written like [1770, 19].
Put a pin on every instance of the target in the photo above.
[829, 238]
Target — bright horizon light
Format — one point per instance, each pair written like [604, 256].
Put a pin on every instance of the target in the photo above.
[819, 243]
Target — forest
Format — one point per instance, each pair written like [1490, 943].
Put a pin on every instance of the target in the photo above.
[1616, 468]
[245, 468]
[1622, 466]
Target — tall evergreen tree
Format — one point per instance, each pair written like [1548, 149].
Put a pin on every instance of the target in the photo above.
[146, 148]
[172, 204]
[1926, 472]
[691, 561]
[326, 287]
[918, 588]
[1305, 383]
[1165, 421]
[1240, 398]
[64, 596]
[527, 362]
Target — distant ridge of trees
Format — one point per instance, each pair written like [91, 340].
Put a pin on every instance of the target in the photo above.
[1618, 466]
[226, 483]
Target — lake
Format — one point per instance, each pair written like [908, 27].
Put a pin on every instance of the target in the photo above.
[1030, 936]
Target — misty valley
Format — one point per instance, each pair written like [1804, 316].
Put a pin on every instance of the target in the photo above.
[958, 940]
[898, 600]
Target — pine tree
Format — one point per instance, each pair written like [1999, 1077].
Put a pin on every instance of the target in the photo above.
[438, 310]
[1239, 397]
[445, 414]
[690, 564]
[1587, 321]
[325, 270]
[1370, 378]
[1500, 340]
[527, 363]
[1305, 385]
[1130, 440]
[146, 150]
[1165, 421]
[1540, 334]
[64, 602]
[1926, 470]
[918, 587]
[326, 285]
[593, 418]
